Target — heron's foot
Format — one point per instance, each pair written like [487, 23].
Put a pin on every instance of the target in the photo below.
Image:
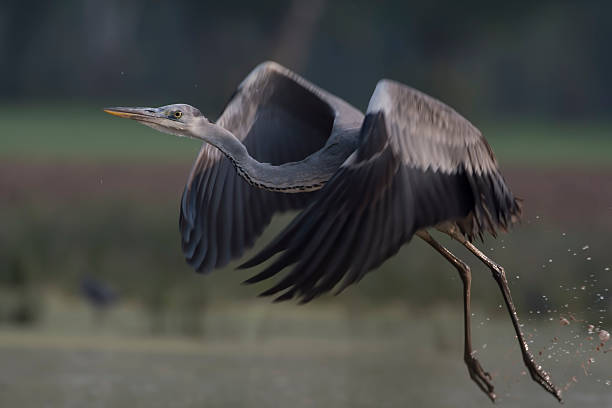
[480, 376]
[541, 377]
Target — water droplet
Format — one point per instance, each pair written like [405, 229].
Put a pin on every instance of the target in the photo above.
[588, 258]
[608, 382]
[591, 360]
[583, 287]
[590, 328]
[607, 268]
[564, 321]
[584, 248]
[563, 234]
[550, 260]
[604, 335]
[518, 277]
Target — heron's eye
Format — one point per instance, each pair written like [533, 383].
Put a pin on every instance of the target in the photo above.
[178, 114]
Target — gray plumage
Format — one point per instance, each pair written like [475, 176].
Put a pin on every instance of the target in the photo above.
[414, 160]
[280, 118]
[364, 185]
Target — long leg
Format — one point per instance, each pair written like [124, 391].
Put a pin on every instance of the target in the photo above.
[477, 374]
[537, 373]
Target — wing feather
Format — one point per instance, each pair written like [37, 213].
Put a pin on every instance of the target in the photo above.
[280, 117]
[418, 164]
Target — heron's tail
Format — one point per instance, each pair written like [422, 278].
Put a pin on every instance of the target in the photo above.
[495, 207]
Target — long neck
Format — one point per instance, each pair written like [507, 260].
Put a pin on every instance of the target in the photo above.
[295, 177]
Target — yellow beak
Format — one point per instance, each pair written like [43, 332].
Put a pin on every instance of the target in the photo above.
[132, 113]
[120, 114]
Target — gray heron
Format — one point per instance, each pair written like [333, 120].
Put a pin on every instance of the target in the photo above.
[365, 185]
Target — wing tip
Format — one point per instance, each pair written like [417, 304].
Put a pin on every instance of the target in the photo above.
[255, 260]
[253, 279]
[245, 265]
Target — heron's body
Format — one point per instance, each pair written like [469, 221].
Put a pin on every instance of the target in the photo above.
[365, 185]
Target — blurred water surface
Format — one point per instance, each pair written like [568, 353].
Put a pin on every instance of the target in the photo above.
[261, 355]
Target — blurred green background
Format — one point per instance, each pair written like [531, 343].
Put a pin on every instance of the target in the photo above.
[98, 307]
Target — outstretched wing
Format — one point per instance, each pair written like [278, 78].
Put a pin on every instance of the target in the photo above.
[280, 117]
[418, 163]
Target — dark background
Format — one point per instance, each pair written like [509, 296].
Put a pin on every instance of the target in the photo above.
[92, 279]
[546, 58]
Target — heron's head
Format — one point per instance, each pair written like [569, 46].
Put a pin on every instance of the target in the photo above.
[178, 119]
